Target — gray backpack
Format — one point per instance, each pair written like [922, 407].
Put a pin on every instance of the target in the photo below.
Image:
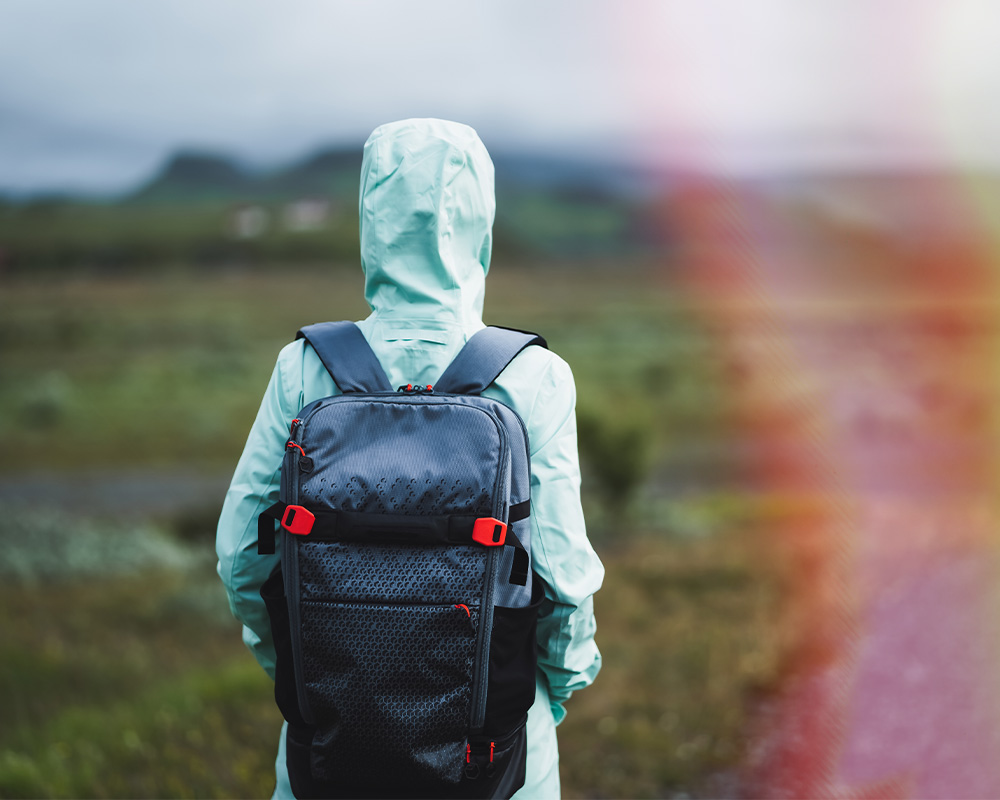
[404, 606]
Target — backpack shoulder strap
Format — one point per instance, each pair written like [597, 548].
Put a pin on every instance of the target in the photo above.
[347, 356]
[483, 358]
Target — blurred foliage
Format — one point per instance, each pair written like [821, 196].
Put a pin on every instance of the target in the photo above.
[128, 678]
[138, 685]
[153, 352]
[617, 450]
[60, 237]
[690, 631]
[43, 544]
[168, 371]
[208, 210]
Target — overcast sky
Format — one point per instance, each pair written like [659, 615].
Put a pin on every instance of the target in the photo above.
[94, 95]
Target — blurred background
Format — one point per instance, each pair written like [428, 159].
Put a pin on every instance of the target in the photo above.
[765, 237]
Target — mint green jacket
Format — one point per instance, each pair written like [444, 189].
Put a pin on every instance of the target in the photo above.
[426, 215]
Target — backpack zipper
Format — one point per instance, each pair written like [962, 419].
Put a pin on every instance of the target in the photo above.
[482, 661]
[482, 750]
[290, 565]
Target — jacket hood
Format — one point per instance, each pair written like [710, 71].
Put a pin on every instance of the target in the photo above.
[426, 213]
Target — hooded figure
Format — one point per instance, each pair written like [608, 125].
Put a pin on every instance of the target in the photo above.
[426, 215]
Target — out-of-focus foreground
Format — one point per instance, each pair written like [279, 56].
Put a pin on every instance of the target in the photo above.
[786, 422]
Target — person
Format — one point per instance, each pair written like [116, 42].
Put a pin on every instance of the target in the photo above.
[426, 215]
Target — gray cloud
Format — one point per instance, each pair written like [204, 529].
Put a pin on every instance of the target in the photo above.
[92, 94]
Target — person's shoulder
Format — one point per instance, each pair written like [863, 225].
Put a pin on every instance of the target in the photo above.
[536, 377]
[540, 362]
[292, 355]
[291, 367]
[292, 351]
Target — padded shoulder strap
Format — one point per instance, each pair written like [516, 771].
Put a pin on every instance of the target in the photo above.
[347, 356]
[483, 358]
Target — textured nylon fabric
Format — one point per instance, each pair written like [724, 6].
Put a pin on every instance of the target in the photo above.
[512, 595]
[457, 436]
[426, 209]
[357, 465]
[423, 182]
[482, 359]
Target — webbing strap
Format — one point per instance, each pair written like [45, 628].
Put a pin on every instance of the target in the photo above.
[348, 526]
[347, 356]
[265, 528]
[483, 358]
[519, 569]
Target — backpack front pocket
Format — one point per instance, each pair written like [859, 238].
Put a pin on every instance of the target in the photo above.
[398, 677]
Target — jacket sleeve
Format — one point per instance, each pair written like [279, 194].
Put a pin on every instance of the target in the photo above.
[254, 487]
[563, 557]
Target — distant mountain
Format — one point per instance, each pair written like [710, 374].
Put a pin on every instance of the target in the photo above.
[196, 178]
[594, 178]
[328, 172]
[190, 177]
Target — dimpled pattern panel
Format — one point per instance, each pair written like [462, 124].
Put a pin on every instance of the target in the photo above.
[355, 571]
[402, 456]
[399, 496]
[380, 702]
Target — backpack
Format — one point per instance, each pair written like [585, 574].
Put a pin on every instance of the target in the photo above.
[403, 608]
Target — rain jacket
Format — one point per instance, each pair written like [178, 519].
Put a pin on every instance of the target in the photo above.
[426, 215]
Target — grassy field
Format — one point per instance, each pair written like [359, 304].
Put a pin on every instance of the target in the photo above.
[104, 372]
[131, 681]
[138, 685]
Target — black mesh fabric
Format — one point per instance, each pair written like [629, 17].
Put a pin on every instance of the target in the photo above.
[379, 701]
[358, 572]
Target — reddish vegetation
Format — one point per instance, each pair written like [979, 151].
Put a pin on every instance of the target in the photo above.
[870, 407]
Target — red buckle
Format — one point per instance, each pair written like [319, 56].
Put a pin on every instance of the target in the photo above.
[489, 532]
[301, 522]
